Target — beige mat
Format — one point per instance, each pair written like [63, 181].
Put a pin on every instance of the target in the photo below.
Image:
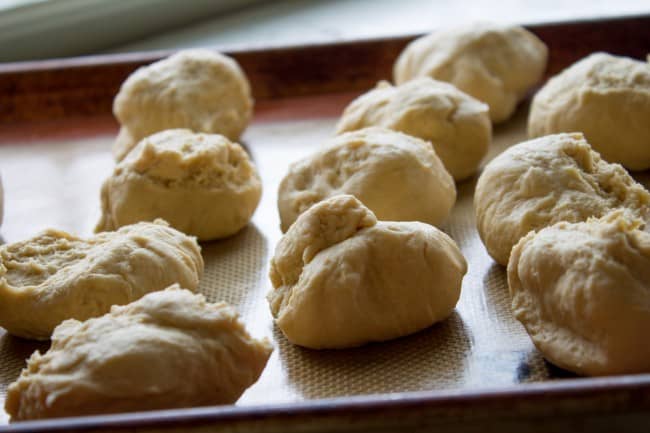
[480, 345]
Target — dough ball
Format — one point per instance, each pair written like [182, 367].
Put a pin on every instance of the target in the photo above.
[540, 182]
[494, 63]
[581, 291]
[170, 349]
[456, 124]
[605, 97]
[56, 276]
[202, 184]
[195, 89]
[399, 177]
[342, 279]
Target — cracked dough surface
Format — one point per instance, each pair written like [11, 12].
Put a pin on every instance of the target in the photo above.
[56, 276]
[457, 125]
[399, 177]
[196, 89]
[169, 349]
[605, 97]
[202, 184]
[494, 63]
[581, 291]
[543, 181]
[342, 279]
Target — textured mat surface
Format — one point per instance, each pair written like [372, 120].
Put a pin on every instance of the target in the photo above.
[56, 183]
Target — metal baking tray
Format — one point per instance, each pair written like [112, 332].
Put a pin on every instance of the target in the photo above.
[477, 370]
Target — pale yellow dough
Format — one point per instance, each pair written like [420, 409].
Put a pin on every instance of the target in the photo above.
[457, 125]
[343, 279]
[581, 290]
[605, 97]
[496, 64]
[399, 177]
[170, 349]
[196, 89]
[56, 276]
[540, 182]
[202, 184]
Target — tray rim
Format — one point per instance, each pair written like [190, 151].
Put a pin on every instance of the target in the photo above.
[27, 66]
[626, 394]
[75, 86]
[538, 392]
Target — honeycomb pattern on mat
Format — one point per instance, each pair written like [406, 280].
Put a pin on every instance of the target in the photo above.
[13, 353]
[430, 359]
[502, 352]
[234, 268]
[480, 345]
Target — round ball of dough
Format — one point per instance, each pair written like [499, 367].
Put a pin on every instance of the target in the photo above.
[540, 182]
[56, 276]
[605, 97]
[196, 89]
[456, 124]
[202, 184]
[169, 349]
[342, 279]
[399, 177]
[494, 63]
[581, 291]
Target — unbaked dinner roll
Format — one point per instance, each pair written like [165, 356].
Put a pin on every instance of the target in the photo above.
[496, 64]
[343, 279]
[56, 276]
[399, 177]
[457, 125]
[540, 182]
[202, 184]
[605, 97]
[170, 349]
[582, 292]
[196, 89]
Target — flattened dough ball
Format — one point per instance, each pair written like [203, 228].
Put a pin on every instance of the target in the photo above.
[342, 279]
[202, 184]
[399, 177]
[605, 97]
[494, 63]
[581, 291]
[196, 89]
[540, 182]
[56, 276]
[169, 349]
[457, 125]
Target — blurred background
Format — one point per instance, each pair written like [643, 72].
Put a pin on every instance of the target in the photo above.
[41, 29]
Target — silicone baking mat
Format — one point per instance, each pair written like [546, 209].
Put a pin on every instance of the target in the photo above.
[56, 183]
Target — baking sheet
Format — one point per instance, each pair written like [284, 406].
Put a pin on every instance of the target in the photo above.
[55, 182]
